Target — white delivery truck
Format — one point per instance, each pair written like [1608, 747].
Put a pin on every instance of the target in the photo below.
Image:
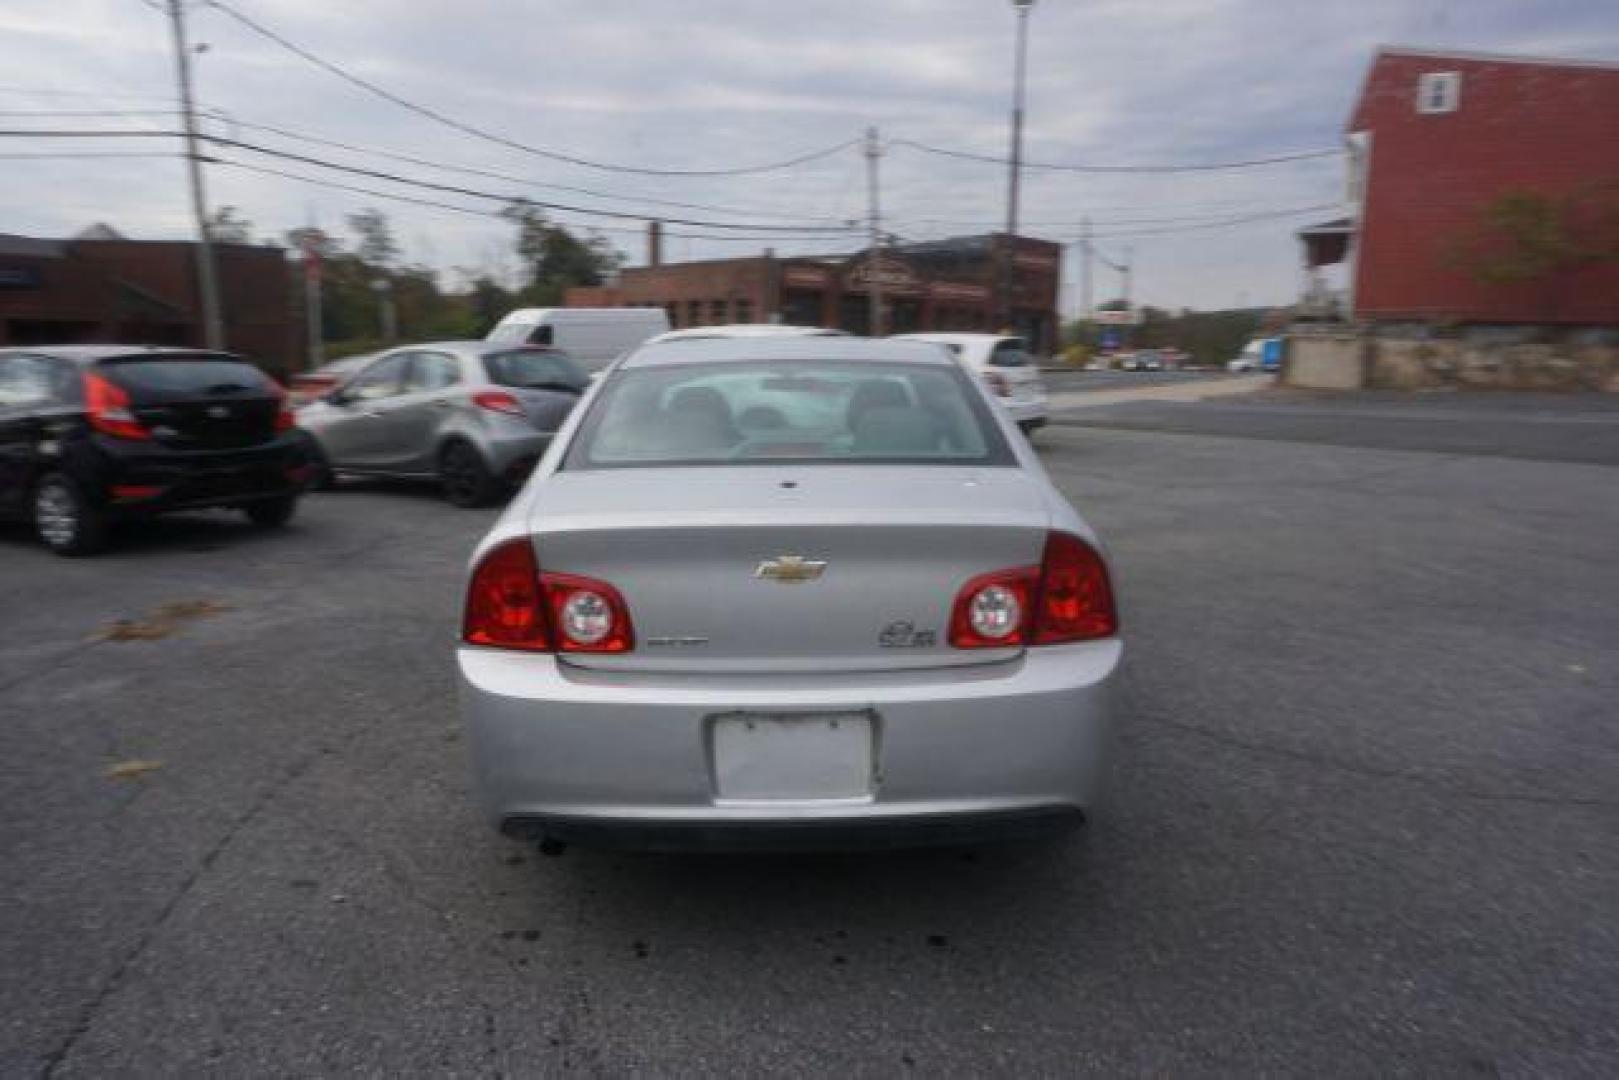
[592, 337]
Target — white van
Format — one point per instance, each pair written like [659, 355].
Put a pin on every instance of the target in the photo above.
[592, 337]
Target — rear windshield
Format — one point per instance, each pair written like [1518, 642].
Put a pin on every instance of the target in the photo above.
[183, 376]
[765, 412]
[535, 370]
[1010, 354]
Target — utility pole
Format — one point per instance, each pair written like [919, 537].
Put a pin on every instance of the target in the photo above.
[1015, 176]
[1085, 278]
[207, 279]
[1127, 269]
[312, 301]
[874, 209]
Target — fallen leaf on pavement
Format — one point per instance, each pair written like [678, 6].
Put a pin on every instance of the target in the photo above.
[131, 770]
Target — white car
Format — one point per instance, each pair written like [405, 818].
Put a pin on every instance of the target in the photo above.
[1005, 366]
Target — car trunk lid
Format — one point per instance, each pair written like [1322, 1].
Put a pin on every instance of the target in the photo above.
[771, 568]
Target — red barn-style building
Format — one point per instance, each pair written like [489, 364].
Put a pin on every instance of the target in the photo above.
[1436, 140]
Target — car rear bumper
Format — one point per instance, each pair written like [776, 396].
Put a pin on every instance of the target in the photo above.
[136, 480]
[513, 453]
[1029, 412]
[955, 751]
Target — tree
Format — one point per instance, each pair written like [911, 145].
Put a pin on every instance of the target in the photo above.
[1526, 236]
[377, 245]
[227, 226]
[553, 258]
[322, 243]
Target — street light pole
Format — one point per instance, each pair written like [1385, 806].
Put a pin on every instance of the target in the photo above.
[874, 213]
[1015, 175]
[207, 280]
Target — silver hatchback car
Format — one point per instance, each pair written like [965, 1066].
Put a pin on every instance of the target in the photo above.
[474, 415]
[787, 592]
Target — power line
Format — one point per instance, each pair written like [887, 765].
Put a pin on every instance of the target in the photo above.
[479, 212]
[453, 189]
[467, 170]
[456, 189]
[501, 140]
[41, 113]
[49, 155]
[1218, 166]
[1271, 215]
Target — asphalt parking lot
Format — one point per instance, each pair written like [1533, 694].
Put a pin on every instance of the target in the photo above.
[1362, 820]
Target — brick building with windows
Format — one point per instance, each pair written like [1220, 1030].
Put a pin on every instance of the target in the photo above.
[109, 289]
[1486, 191]
[943, 285]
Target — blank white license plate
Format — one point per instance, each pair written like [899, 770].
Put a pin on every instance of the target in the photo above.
[797, 758]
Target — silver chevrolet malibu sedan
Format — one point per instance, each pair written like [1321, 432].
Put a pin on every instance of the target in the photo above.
[788, 592]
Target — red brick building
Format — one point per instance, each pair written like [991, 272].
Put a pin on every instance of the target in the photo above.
[64, 292]
[1438, 138]
[943, 285]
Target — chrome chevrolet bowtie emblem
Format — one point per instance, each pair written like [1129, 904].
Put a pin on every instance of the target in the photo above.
[791, 569]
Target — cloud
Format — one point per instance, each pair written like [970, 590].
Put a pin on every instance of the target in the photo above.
[689, 84]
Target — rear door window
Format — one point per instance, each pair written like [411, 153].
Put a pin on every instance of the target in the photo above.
[431, 371]
[383, 379]
[27, 381]
[1009, 354]
[177, 378]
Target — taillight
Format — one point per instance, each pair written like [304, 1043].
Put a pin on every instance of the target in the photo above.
[997, 382]
[107, 406]
[285, 419]
[498, 401]
[511, 604]
[1068, 597]
[505, 606]
[1076, 597]
[588, 615]
[992, 610]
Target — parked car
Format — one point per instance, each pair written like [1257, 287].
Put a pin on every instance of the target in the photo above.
[592, 337]
[746, 330]
[782, 591]
[306, 386]
[92, 435]
[1142, 360]
[1260, 354]
[1005, 366]
[473, 415]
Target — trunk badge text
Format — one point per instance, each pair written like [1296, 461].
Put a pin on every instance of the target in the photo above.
[677, 642]
[791, 569]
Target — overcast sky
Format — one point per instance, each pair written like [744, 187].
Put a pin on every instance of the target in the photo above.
[701, 84]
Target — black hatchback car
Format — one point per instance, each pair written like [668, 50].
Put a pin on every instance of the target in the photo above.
[94, 434]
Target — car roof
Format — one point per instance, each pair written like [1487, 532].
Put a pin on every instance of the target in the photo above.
[957, 339]
[746, 330]
[89, 354]
[783, 347]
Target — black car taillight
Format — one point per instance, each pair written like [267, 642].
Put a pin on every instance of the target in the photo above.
[106, 405]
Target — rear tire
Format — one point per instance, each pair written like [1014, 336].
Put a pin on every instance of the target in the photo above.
[467, 481]
[272, 513]
[67, 522]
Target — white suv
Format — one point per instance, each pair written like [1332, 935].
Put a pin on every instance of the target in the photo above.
[1005, 366]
